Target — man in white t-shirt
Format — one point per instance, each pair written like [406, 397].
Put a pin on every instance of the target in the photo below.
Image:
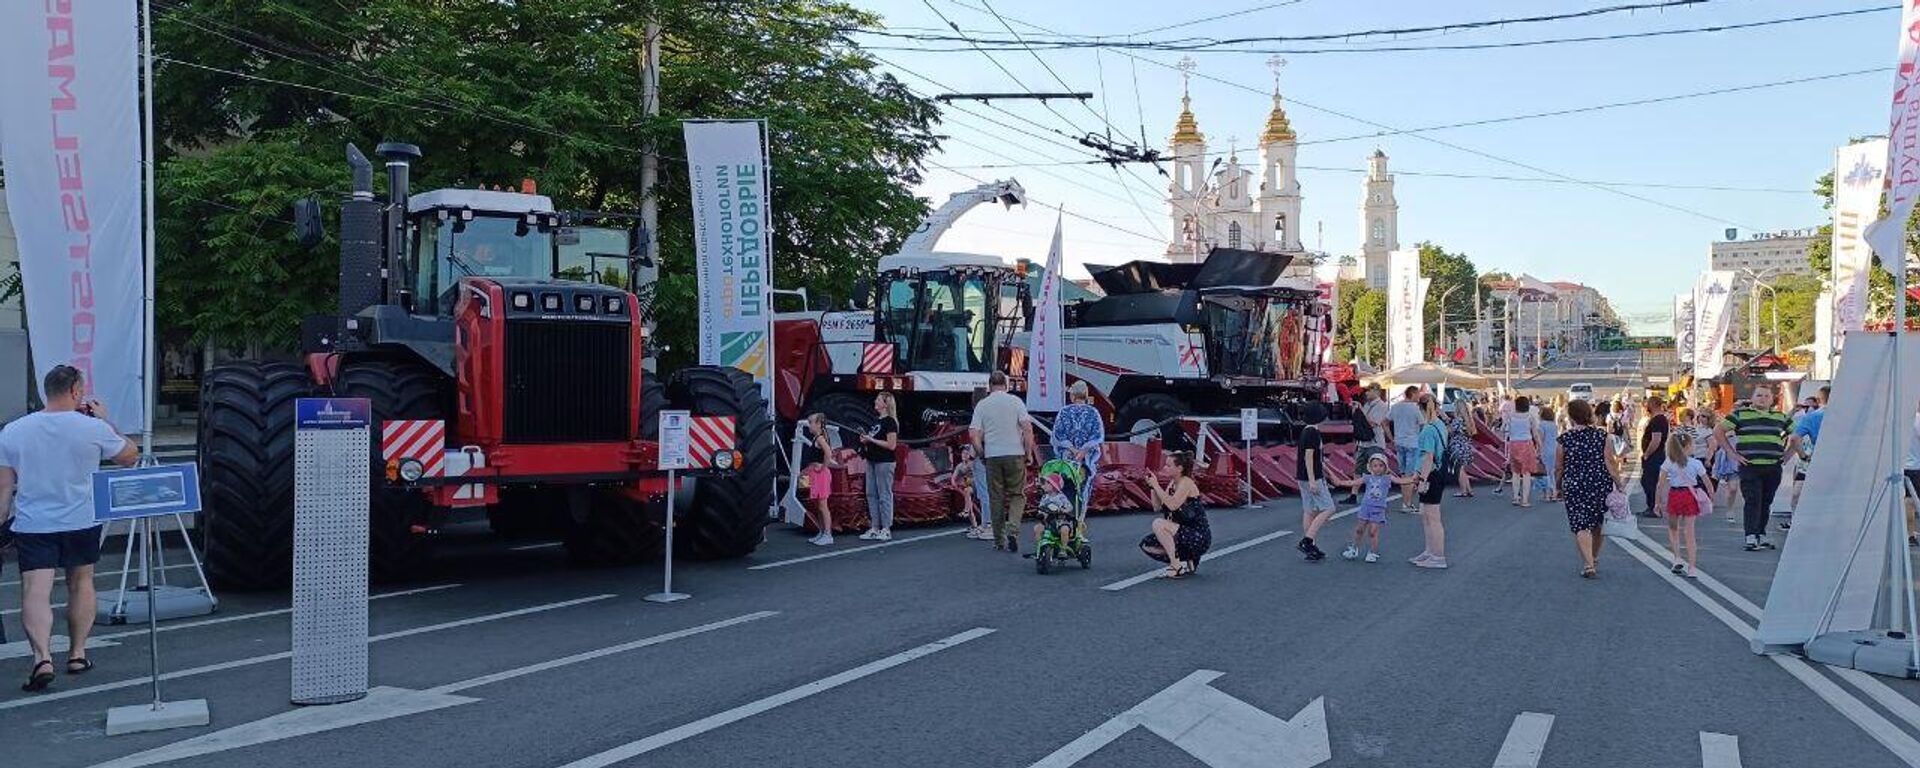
[1002, 435]
[47, 461]
[1404, 421]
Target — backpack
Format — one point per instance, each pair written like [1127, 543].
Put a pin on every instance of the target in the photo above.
[1362, 429]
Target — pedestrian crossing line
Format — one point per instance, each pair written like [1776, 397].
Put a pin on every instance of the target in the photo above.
[673, 736]
[1718, 750]
[1882, 730]
[1526, 740]
[48, 698]
[852, 550]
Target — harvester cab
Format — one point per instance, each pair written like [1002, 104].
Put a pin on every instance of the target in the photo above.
[504, 352]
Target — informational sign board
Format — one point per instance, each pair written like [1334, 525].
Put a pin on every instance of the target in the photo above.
[1249, 423]
[676, 451]
[332, 466]
[122, 494]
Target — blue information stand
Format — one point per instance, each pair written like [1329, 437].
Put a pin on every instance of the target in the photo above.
[139, 495]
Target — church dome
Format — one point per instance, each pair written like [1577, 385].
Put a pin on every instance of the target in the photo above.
[1186, 130]
[1278, 129]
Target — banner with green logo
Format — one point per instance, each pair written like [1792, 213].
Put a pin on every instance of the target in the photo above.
[726, 161]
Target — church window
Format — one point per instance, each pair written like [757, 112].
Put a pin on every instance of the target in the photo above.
[1233, 235]
[1379, 231]
[1280, 229]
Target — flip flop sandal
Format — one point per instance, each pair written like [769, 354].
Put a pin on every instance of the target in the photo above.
[38, 681]
[1589, 573]
[79, 666]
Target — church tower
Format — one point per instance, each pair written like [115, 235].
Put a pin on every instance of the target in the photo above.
[1187, 191]
[1379, 221]
[1279, 186]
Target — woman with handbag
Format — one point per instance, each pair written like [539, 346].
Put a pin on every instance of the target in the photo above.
[1683, 498]
[1182, 536]
[1588, 474]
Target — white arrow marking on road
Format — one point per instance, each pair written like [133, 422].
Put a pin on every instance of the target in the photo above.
[1213, 727]
[1525, 741]
[1718, 750]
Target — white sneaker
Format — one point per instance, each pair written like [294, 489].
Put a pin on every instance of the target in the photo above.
[1420, 558]
[822, 540]
[1373, 557]
[1432, 562]
[1351, 552]
[870, 535]
[885, 534]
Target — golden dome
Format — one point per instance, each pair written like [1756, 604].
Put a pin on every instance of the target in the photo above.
[1278, 129]
[1187, 130]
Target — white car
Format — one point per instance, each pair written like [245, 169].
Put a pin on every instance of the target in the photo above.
[1580, 391]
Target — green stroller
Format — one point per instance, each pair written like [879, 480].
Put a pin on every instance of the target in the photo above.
[1063, 531]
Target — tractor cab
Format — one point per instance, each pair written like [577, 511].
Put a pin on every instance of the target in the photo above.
[510, 237]
[947, 313]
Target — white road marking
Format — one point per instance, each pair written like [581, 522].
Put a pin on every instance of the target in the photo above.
[262, 614]
[1881, 729]
[12, 611]
[1223, 552]
[97, 575]
[527, 547]
[19, 649]
[1718, 750]
[45, 698]
[676, 735]
[1212, 727]
[1525, 741]
[382, 703]
[595, 654]
[851, 550]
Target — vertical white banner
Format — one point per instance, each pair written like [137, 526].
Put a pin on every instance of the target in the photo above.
[1046, 383]
[732, 240]
[70, 118]
[1712, 315]
[1888, 235]
[1683, 327]
[1859, 175]
[1404, 332]
[1823, 336]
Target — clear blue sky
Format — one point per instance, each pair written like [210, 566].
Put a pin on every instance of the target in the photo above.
[1635, 252]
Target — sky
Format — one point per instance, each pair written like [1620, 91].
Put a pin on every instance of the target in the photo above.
[1635, 244]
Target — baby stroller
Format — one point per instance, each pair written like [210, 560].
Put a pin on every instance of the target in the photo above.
[1063, 533]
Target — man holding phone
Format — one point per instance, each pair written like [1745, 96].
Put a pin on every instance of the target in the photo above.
[47, 461]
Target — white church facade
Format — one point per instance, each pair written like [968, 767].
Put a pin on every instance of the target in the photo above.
[1230, 205]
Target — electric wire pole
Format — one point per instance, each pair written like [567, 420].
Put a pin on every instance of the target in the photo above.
[650, 158]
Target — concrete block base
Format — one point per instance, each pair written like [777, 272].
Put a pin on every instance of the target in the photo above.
[141, 718]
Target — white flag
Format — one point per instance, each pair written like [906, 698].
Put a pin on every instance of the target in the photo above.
[1404, 331]
[1046, 382]
[1888, 235]
[1859, 176]
[732, 239]
[1711, 318]
[69, 112]
[1683, 326]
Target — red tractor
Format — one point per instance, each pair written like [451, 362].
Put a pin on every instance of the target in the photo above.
[510, 332]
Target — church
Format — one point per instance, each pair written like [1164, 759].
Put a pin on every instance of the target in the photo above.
[1221, 205]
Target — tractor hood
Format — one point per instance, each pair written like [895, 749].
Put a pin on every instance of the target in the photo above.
[1224, 267]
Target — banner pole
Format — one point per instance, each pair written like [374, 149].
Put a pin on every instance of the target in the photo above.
[148, 288]
[666, 593]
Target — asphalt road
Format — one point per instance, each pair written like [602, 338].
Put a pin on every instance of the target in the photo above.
[937, 651]
[1609, 372]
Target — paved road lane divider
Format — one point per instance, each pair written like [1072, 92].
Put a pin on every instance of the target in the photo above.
[386, 703]
[666, 738]
[1223, 552]
[48, 698]
[1526, 740]
[1718, 750]
[852, 550]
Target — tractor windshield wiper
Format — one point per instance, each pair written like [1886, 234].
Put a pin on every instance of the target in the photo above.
[457, 260]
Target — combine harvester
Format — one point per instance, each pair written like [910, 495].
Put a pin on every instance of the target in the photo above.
[506, 358]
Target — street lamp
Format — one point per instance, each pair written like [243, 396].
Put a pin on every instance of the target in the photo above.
[1753, 308]
[1440, 325]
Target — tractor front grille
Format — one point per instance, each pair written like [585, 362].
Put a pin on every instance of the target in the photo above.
[568, 381]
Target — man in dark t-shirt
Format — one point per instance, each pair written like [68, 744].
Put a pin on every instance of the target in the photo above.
[1310, 471]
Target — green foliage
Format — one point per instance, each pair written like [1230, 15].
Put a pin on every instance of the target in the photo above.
[1360, 323]
[1450, 295]
[1793, 297]
[496, 92]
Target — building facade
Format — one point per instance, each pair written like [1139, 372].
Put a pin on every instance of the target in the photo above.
[1379, 222]
[1762, 257]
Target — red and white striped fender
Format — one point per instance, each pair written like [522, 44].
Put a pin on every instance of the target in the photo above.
[707, 435]
[423, 440]
[876, 357]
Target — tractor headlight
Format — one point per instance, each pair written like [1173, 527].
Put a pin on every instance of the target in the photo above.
[615, 305]
[550, 302]
[411, 470]
[583, 303]
[723, 459]
[522, 301]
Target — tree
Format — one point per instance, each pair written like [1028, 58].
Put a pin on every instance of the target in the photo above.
[1793, 297]
[256, 100]
[1450, 296]
[1361, 323]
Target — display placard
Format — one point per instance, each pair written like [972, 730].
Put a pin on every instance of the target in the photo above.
[1249, 423]
[122, 494]
[332, 413]
[675, 442]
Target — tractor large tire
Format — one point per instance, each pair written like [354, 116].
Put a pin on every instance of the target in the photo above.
[1154, 408]
[617, 530]
[245, 524]
[653, 400]
[728, 516]
[397, 389]
[850, 410]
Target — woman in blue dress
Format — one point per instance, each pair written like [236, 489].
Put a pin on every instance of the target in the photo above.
[1077, 436]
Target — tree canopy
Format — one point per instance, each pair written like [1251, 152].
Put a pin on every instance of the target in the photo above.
[257, 98]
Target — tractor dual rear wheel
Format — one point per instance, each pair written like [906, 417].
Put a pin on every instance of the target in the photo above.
[729, 512]
[245, 439]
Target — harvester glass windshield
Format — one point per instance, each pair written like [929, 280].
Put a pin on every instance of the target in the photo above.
[1258, 336]
[941, 320]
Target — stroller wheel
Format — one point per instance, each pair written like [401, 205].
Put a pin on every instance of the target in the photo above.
[1086, 555]
[1043, 558]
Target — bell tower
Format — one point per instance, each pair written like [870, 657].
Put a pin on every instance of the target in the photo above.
[1279, 204]
[1379, 221]
[1187, 190]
